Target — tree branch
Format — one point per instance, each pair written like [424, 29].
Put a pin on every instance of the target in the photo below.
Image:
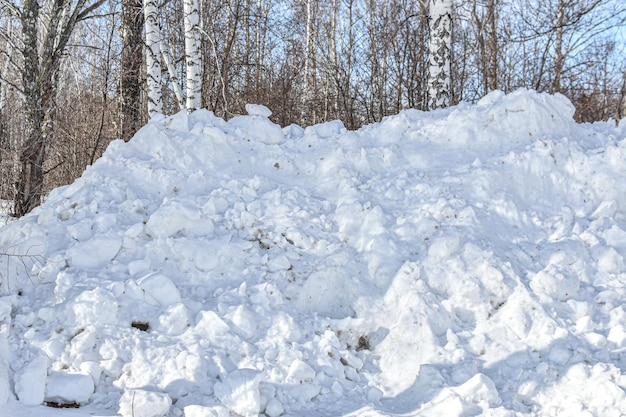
[84, 14]
[12, 7]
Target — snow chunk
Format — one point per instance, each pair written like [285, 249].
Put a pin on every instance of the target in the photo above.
[480, 389]
[326, 130]
[279, 263]
[174, 320]
[490, 98]
[5, 325]
[244, 321]
[94, 253]
[240, 392]
[300, 371]
[257, 128]
[142, 403]
[617, 335]
[555, 285]
[97, 306]
[444, 246]
[159, 290]
[30, 381]
[328, 292]
[172, 217]
[4, 380]
[204, 411]
[274, 408]
[210, 326]
[64, 388]
[258, 110]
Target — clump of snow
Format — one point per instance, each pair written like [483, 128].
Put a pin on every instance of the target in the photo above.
[65, 388]
[30, 381]
[239, 392]
[258, 110]
[142, 403]
[5, 327]
[257, 126]
[465, 261]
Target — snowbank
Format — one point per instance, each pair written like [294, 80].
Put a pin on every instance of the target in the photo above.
[467, 261]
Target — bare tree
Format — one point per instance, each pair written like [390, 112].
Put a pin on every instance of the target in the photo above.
[484, 19]
[44, 39]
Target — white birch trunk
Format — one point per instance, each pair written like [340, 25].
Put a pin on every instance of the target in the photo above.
[439, 53]
[153, 57]
[166, 52]
[193, 57]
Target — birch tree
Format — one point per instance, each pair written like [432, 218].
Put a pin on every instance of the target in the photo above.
[44, 40]
[193, 57]
[153, 57]
[439, 50]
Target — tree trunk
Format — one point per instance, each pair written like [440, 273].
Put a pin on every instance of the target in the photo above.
[132, 60]
[30, 181]
[439, 49]
[42, 52]
[621, 106]
[492, 44]
[559, 57]
[153, 57]
[193, 56]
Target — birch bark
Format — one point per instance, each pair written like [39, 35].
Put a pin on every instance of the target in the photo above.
[193, 57]
[153, 57]
[439, 53]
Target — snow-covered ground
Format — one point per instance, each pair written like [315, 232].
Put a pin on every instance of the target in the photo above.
[461, 262]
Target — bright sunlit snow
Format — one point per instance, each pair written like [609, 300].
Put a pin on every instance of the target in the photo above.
[460, 262]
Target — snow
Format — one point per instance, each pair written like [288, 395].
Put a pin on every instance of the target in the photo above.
[465, 261]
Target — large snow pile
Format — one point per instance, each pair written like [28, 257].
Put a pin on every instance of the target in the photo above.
[461, 262]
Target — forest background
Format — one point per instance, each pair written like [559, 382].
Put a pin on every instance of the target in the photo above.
[309, 61]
